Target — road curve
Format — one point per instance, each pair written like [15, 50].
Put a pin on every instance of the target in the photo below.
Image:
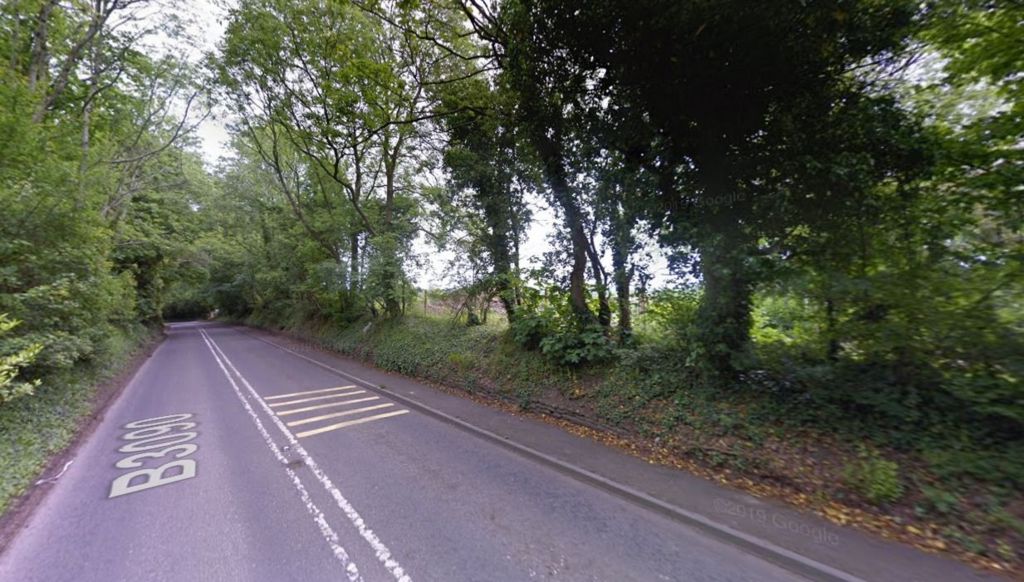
[228, 459]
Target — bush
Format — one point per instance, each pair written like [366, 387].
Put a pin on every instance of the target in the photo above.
[875, 478]
[673, 313]
[999, 463]
[572, 348]
[529, 329]
[11, 361]
[559, 338]
[787, 329]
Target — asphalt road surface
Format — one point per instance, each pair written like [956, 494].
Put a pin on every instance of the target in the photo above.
[227, 458]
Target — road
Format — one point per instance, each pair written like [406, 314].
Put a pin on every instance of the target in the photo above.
[227, 458]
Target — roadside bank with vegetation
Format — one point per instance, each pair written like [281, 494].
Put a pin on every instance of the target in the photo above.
[35, 429]
[773, 433]
[97, 181]
[780, 241]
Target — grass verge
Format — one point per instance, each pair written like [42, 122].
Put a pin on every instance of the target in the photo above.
[35, 429]
[759, 439]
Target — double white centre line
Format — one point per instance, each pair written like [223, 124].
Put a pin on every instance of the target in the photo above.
[382, 552]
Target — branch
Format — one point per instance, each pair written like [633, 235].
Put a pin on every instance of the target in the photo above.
[174, 137]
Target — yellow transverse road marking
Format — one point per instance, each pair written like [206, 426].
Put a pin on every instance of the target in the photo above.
[301, 400]
[349, 423]
[337, 414]
[331, 405]
[307, 392]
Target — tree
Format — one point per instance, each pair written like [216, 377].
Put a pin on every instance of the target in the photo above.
[709, 107]
[483, 158]
[90, 164]
[346, 90]
[543, 86]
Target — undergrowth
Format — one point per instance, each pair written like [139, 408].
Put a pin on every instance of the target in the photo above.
[757, 426]
[36, 427]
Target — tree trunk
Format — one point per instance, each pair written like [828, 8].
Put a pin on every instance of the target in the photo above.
[71, 61]
[723, 317]
[15, 44]
[577, 277]
[90, 95]
[546, 133]
[578, 236]
[353, 268]
[83, 163]
[623, 277]
[392, 306]
[505, 293]
[517, 298]
[39, 59]
[830, 327]
[499, 243]
[604, 309]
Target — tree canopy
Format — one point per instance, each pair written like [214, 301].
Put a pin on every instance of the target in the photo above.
[817, 200]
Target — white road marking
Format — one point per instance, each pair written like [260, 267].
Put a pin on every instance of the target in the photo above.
[307, 392]
[158, 420]
[57, 476]
[686, 515]
[153, 477]
[381, 550]
[321, 406]
[301, 400]
[337, 414]
[330, 536]
[146, 435]
[323, 429]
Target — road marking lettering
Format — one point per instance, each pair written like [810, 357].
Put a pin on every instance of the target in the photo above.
[322, 406]
[132, 462]
[301, 400]
[316, 431]
[161, 441]
[145, 433]
[153, 477]
[337, 414]
[149, 434]
[381, 550]
[157, 420]
[276, 396]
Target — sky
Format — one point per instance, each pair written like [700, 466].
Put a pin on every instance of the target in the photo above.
[208, 20]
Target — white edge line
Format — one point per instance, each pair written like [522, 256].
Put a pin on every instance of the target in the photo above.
[381, 550]
[330, 536]
[764, 545]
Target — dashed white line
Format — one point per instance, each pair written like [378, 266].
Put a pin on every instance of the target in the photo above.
[381, 550]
